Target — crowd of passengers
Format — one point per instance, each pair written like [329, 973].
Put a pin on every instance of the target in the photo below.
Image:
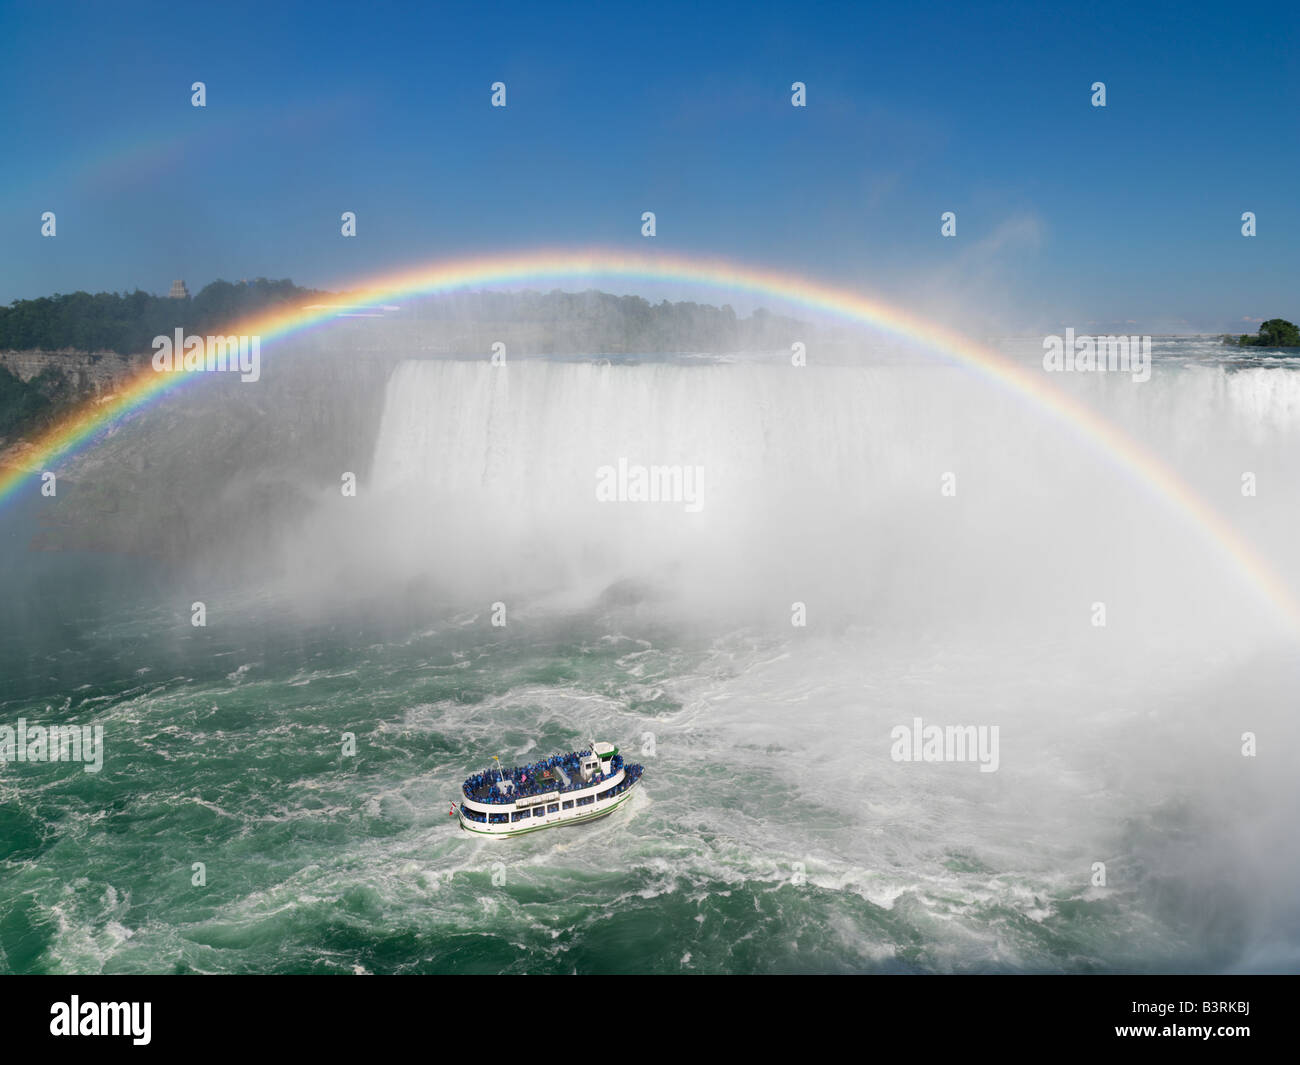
[529, 780]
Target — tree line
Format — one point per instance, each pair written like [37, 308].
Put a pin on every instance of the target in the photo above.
[127, 322]
[580, 321]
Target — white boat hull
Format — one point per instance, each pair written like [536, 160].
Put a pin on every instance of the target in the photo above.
[593, 811]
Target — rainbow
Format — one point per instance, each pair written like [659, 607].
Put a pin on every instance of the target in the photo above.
[84, 426]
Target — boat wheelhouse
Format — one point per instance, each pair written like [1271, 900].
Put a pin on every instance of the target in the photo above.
[561, 790]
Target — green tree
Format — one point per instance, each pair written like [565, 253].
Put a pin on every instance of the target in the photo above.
[1278, 333]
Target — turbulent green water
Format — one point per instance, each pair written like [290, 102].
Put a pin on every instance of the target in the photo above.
[224, 747]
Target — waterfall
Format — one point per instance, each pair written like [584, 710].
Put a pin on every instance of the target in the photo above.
[848, 484]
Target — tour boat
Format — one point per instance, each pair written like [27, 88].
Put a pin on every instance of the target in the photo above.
[561, 790]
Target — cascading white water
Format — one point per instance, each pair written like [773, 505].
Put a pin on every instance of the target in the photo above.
[918, 489]
[505, 465]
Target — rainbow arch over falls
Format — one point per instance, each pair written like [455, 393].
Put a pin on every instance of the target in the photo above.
[83, 427]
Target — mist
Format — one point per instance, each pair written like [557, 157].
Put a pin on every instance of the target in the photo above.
[896, 495]
[870, 542]
[881, 543]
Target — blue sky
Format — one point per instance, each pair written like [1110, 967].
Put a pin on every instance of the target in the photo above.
[1067, 214]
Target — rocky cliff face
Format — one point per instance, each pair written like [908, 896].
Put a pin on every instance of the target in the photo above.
[202, 472]
[93, 373]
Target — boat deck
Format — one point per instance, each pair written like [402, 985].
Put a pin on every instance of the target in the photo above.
[557, 774]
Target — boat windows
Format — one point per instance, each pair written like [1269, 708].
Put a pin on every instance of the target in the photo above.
[539, 811]
[568, 804]
[554, 808]
[586, 800]
[606, 793]
[498, 819]
[519, 815]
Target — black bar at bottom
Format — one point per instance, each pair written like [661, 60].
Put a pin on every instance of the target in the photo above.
[447, 1017]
